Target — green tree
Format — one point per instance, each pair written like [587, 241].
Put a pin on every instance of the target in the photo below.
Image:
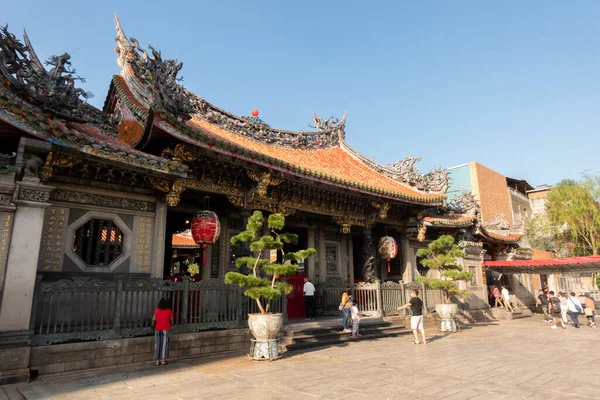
[442, 255]
[573, 211]
[262, 283]
[541, 234]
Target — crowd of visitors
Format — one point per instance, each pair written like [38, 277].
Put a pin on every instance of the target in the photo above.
[556, 308]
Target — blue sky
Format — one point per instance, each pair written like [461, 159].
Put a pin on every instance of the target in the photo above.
[513, 85]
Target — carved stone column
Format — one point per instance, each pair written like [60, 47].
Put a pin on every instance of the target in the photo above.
[351, 260]
[408, 260]
[322, 254]
[367, 252]
[160, 231]
[311, 260]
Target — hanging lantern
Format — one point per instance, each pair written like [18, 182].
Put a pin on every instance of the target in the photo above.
[388, 249]
[205, 230]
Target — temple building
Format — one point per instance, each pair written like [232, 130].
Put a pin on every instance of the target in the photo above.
[95, 205]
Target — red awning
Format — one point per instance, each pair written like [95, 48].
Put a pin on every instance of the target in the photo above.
[551, 265]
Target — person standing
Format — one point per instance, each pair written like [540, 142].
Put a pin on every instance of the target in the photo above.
[506, 298]
[542, 300]
[497, 296]
[346, 309]
[574, 309]
[590, 310]
[563, 306]
[309, 299]
[416, 320]
[355, 319]
[554, 310]
[161, 321]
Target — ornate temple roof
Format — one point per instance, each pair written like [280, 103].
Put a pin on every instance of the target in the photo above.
[184, 240]
[149, 86]
[46, 105]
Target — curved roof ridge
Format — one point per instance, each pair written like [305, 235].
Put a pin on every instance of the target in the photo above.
[405, 173]
[154, 82]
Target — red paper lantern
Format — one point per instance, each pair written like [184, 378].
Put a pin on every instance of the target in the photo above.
[388, 249]
[255, 113]
[205, 229]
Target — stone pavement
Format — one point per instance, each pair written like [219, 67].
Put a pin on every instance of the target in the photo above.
[503, 360]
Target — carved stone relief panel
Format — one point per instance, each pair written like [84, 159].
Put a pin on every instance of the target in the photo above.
[94, 199]
[333, 258]
[143, 229]
[6, 221]
[52, 247]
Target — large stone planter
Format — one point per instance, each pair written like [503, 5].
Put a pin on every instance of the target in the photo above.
[264, 328]
[447, 314]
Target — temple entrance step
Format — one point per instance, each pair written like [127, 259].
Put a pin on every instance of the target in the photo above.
[310, 337]
[501, 313]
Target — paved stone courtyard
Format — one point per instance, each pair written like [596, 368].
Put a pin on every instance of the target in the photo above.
[504, 360]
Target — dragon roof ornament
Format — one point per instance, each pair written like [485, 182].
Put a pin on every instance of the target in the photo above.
[464, 204]
[52, 90]
[405, 171]
[154, 82]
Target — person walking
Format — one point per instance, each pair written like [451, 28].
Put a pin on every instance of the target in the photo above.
[563, 306]
[574, 309]
[506, 298]
[309, 299]
[590, 310]
[497, 297]
[416, 320]
[356, 316]
[542, 300]
[161, 321]
[345, 307]
[554, 310]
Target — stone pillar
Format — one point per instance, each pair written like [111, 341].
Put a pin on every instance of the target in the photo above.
[7, 216]
[407, 260]
[474, 260]
[160, 231]
[31, 199]
[351, 261]
[310, 271]
[344, 257]
[322, 253]
[367, 252]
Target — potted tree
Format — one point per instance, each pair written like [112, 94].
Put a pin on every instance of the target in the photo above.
[261, 282]
[442, 255]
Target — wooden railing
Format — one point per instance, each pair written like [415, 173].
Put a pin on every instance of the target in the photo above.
[90, 309]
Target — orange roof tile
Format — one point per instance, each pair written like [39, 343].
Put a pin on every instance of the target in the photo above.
[334, 164]
[180, 240]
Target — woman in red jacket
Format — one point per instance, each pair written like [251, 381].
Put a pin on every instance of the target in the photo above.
[162, 320]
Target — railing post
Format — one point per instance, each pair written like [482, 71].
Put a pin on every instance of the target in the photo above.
[378, 298]
[402, 298]
[185, 300]
[36, 299]
[284, 310]
[240, 306]
[424, 299]
[119, 303]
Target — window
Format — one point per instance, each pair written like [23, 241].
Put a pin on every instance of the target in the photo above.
[98, 242]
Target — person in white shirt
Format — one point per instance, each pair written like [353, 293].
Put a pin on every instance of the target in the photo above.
[574, 309]
[309, 299]
[506, 298]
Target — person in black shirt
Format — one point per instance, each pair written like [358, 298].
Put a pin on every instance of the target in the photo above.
[542, 300]
[416, 320]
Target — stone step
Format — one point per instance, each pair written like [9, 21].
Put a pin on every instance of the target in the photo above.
[304, 340]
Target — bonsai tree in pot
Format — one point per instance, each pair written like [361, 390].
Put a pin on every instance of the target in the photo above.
[442, 255]
[262, 282]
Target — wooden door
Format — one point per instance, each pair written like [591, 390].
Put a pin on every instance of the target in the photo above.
[295, 300]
